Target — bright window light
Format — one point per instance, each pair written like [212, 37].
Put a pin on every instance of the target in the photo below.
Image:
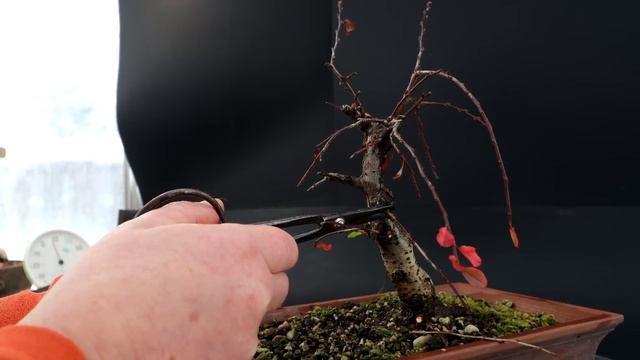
[64, 163]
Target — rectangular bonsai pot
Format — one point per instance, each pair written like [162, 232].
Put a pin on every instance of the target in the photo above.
[576, 336]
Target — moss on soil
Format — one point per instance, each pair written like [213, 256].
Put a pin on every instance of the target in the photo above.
[382, 329]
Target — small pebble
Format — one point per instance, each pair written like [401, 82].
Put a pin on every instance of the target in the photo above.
[421, 341]
[471, 329]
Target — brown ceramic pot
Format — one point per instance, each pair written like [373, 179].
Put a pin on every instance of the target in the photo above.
[13, 278]
[576, 336]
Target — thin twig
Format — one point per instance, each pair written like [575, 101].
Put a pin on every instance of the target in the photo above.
[343, 80]
[423, 28]
[412, 173]
[489, 127]
[459, 109]
[432, 188]
[318, 183]
[416, 105]
[487, 338]
[425, 145]
[368, 145]
[337, 232]
[424, 255]
[400, 154]
[413, 88]
[416, 68]
[344, 179]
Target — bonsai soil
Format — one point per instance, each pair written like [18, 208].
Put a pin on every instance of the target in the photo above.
[386, 329]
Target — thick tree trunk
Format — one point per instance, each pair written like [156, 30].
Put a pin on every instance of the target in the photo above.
[414, 285]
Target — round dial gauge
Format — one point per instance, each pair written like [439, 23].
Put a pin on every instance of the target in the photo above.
[51, 254]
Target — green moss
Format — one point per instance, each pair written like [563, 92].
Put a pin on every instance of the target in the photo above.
[382, 329]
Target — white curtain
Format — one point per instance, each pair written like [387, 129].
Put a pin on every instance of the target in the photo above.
[64, 166]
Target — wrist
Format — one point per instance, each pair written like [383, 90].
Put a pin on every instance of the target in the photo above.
[98, 335]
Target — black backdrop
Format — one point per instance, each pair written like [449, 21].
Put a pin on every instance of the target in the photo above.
[228, 96]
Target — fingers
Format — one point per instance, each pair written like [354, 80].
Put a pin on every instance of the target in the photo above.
[180, 212]
[278, 248]
[279, 290]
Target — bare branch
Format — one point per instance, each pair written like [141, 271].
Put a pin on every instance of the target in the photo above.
[492, 137]
[432, 188]
[456, 108]
[416, 68]
[336, 39]
[401, 155]
[344, 179]
[425, 145]
[343, 80]
[413, 88]
[324, 145]
[318, 183]
[487, 338]
[423, 28]
[412, 173]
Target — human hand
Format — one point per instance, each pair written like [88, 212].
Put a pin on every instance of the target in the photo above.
[170, 284]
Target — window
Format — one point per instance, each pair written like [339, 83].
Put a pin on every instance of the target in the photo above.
[64, 166]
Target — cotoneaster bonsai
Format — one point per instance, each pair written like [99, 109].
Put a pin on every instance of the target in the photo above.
[417, 317]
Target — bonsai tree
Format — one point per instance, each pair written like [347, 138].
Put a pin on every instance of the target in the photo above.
[382, 141]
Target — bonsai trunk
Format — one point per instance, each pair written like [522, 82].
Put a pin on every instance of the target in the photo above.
[414, 285]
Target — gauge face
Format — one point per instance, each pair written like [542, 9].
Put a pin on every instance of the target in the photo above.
[51, 254]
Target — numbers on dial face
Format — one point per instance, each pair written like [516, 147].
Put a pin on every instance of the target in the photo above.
[51, 254]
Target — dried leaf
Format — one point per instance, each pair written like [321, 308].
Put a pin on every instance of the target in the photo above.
[470, 253]
[475, 277]
[398, 175]
[445, 238]
[323, 246]
[354, 234]
[385, 164]
[514, 236]
[349, 26]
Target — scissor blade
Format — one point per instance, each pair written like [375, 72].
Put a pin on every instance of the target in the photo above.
[293, 221]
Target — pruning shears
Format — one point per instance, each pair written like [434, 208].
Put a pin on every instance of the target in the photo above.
[325, 224]
[330, 224]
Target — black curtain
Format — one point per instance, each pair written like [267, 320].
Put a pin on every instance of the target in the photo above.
[228, 96]
[216, 94]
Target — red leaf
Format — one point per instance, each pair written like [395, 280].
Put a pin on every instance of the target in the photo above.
[445, 238]
[514, 236]
[456, 263]
[349, 26]
[323, 246]
[470, 253]
[475, 277]
[398, 175]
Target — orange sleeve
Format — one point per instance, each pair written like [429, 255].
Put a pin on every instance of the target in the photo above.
[23, 342]
[14, 307]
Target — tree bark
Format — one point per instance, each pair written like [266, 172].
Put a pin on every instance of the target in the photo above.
[414, 285]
